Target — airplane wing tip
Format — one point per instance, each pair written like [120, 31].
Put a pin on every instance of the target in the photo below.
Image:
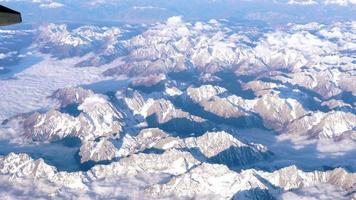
[9, 16]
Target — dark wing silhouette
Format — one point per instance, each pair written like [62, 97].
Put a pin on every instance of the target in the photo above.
[8, 16]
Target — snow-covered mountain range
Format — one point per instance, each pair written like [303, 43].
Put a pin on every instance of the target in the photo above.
[179, 110]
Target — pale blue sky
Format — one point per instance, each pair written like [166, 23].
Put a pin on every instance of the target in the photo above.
[269, 11]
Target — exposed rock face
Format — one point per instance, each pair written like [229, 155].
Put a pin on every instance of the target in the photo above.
[275, 111]
[97, 150]
[67, 96]
[221, 147]
[54, 126]
[158, 111]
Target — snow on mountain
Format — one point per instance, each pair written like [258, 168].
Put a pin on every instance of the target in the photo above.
[22, 166]
[204, 92]
[97, 118]
[59, 35]
[216, 181]
[61, 41]
[81, 114]
[336, 125]
[172, 162]
[215, 147]
[52, 125]
[71, 95]
[206, 181]
[161, 109]
[329, 72]
[315, 59]
[146, 139]
[167, 47]
[97, 150]
[223, 148]
[209, 48]
[291, 177]
[275, 111]
[208, 97]
[191, 180]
